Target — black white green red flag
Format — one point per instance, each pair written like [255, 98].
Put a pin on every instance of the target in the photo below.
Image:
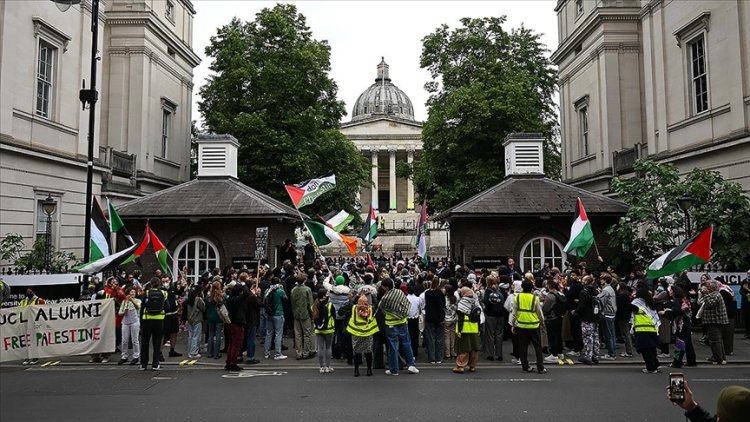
[116, 259]
[694, 251]
[116, 225]
[370, 230]
[581, 235]
[99, 243]
[337, 220]
[306, 192]
[161, 252]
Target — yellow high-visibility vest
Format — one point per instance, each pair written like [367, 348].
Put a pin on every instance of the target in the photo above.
[360, 327]
[26, 302]
[642, 323]
[392, 321]
[526, 315]
[158, 316]
[329, 329]
[468, 326]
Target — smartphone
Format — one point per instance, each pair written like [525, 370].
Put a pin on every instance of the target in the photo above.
[676, 387]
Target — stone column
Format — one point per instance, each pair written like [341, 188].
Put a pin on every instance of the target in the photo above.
[410, 183]
[392, 179]
[374, 199]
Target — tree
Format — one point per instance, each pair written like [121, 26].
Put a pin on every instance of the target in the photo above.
[654, 222]
[486, 83]
[271, 90]
[11, 249]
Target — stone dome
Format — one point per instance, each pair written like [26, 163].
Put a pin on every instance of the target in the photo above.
[382, 98]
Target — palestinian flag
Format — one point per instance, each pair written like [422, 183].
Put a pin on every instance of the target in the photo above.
[116, 259]
[422, 234]
[370, 263]
[581, 235]
[323, 235]
[694, 251]
[370, 230]
[337, 220]
[306, 192]
[116, 225]
[161, 252]
[99, 243]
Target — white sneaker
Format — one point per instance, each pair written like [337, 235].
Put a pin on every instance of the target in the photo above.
[413, 369]
[662, 355]
[25, 362]
[388, 372]
[550, 359]
[279, 357]
[266, 355]
[607, 357]
[323, 369]
[330, 369]
[168, 344]
[515, 361]
[573, 353]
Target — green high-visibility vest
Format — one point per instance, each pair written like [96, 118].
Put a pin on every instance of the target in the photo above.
[642, 323]
[329, 328]
[468, 326]
[362, 327]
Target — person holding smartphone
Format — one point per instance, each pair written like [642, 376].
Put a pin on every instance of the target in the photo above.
[131, 326]
[732, 405]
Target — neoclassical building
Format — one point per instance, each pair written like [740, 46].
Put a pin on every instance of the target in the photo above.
[143, 116]
[664, 79]
[384, 130]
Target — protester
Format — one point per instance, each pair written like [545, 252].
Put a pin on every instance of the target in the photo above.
[171, 308]
[302, 302]
[273, 302]
[253, 305]
[362, 326]
[646, 326]
[588, 312]
[494, 323]
[324, 318]
[131, 327]
[713, 314]
[727, 330]
[608, 300]
[525, 318]
[152, 322]
[416, 306]
[237, 309]
[554, 307]
[434, 309]
[214, 323]
[745, 303]
[622, 316]
[449, 323]
[195, 308]
[679, 313]
[395, 307]
[467, 331]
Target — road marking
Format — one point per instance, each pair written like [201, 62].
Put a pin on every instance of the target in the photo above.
[183, 362]
[560, 362]
[570, 361]
[55, 363]
[192, 362]
[457, 379]
[250, 374]
[719, 379]
[46, 363]
[161, 378]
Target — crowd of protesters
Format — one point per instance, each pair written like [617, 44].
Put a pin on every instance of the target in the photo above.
[381, 315]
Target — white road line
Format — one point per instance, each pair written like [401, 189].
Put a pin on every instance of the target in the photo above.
[327, 379]
[720, 379]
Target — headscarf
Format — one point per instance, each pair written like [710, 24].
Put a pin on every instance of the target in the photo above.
[363, 307]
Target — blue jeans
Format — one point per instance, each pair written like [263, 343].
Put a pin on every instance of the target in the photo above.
[250, 341]
[609, 335]
[396, 334]
[215, 334]
[274, 333]
[434, 334]
[194, 339]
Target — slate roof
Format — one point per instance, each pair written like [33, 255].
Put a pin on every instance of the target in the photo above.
[533, 195]
[207, 198]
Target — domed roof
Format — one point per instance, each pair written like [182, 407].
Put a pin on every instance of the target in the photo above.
[382, 98]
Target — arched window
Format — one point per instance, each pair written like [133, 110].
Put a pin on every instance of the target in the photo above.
[539, 250]
[198, 255]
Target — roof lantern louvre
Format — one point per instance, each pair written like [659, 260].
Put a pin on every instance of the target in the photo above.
[524, 154]
[217, 156]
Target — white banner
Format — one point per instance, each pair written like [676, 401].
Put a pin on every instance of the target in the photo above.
[42, 331]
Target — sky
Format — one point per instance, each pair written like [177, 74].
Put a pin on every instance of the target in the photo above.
[360, 32]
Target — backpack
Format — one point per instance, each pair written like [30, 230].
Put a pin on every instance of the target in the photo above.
[476, 314]
[560, 306]
[155, 302]
[268, 304]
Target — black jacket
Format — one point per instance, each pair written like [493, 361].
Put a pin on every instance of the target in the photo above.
[573, 293]
[236, 305]
[434, 306]
[623, 308]
[494, 308]
[585, 308]
[252, 311]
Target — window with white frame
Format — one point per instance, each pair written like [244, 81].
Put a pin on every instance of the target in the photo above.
[698, 74]
[583, 129]
[540, 250]
[198, 255]
[166, 128]
[45, 79]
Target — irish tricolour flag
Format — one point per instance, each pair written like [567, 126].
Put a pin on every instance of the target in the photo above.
[324, 235]
[581, 236]
[694, 251]
[306, 192]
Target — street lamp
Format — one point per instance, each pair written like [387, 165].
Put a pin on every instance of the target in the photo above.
[686, 203]
[88, 97]
[49, 206]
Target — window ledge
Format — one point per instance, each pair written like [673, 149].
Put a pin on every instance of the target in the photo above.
[583, 160]
[167, 162]
[34, 118]
[708, 114]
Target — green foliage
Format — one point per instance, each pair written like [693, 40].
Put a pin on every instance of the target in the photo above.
[655, 223]
[404, 170]
[270, 88]
[11, 249]
[486, 83]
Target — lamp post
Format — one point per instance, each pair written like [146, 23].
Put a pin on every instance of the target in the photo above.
[49, 206]
[686, 203]
[88, 97]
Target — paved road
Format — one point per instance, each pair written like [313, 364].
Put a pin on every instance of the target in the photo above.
[112, 393]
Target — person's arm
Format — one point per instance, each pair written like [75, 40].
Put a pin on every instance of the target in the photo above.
[200, 304]
[513, 314]
[539, 311]
[693, 411]
[549, 302]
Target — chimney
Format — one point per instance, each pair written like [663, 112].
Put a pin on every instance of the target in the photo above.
[217, 155]
[524, 154]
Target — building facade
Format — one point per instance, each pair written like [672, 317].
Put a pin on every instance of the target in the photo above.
[142, 136]
[661, 79]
